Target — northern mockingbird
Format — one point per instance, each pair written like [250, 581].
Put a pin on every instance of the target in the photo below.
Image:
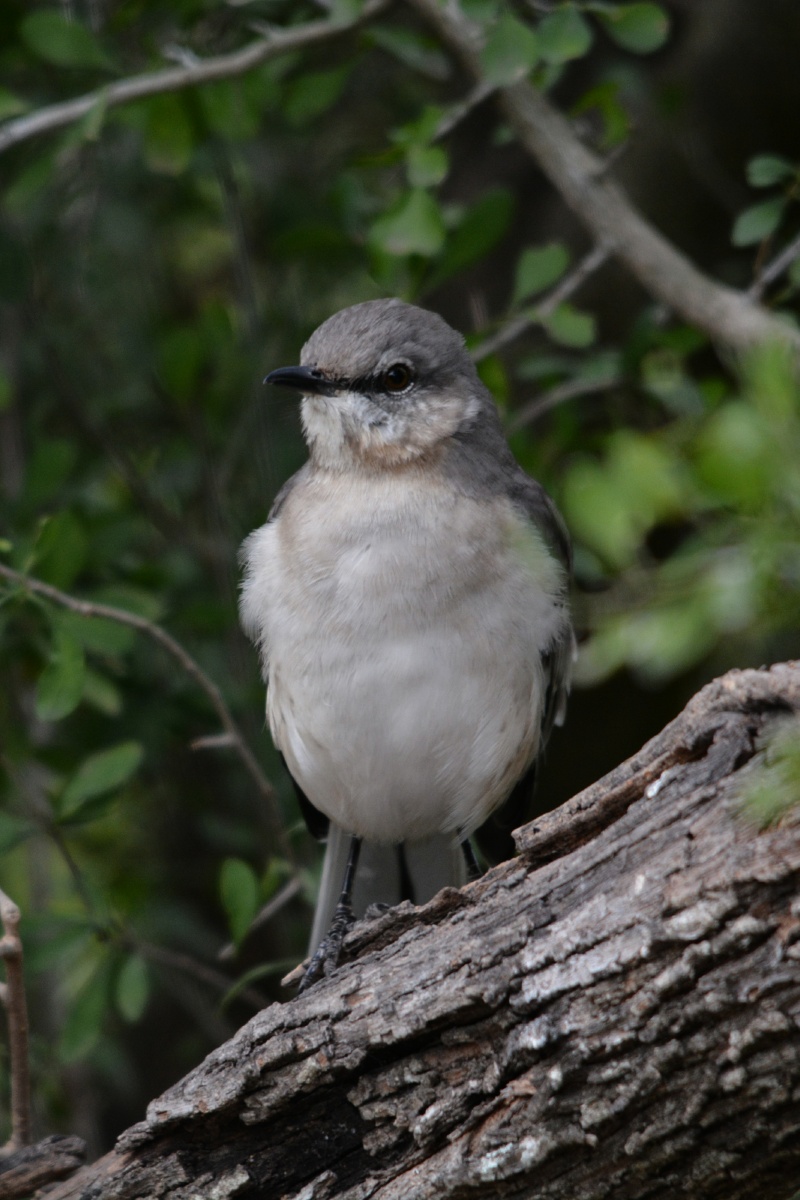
[408, 595]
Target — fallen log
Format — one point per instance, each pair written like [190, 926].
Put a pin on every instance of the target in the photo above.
[615, 1012]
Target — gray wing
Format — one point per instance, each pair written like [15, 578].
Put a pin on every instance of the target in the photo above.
[481, 463]
[285, 489]
[531, 497]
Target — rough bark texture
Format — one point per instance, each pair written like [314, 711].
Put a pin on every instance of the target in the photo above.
[614, 1013]
[24, 1170]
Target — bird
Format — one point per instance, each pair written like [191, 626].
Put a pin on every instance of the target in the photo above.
[409, 599]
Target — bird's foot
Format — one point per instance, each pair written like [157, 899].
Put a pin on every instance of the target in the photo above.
[326, 956]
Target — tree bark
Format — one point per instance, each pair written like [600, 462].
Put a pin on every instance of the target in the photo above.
[615, 1012]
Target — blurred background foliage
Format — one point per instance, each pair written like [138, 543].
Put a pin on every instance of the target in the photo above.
[158, 258]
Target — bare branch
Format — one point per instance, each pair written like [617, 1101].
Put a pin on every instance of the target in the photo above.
[17, 1012]
[175, 79]
[185, 964]
[730, 318]
[459, 112]
[565, 288]
[87, 608]
[569, 390]
[780, 263]
[281, 898]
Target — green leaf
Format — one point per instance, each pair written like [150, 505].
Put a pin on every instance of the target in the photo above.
[597, 514]
[771, 379]
[102, 694]
[422, 130]
[99, 634]
[481, 227]
[89, 128]
[181, 355]
[344, 11]
[641, 28]
[61, 683]
[100, 773]
[482, 12]
[539, 267]
[133, 988]
[13, 830]
[58, 942]
[604, 99]
[774, 790]
[415, 227]
[169, 136]
[229, 111]
[511, 51]
[61, 549]
[238, 886]
[735, 457]
[87, 1012]
[569, 327]
[420, 53]
[51, 463]
[426, 165]
[758, 221]
[563, 35]
[131, 599]
[11, 105]
[767, 169]
[312, 93]
[62, 42]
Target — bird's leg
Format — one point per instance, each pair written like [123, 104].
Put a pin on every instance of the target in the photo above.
[326, 955]
[473, 867]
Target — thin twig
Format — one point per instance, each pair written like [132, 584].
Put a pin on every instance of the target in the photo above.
[88, 608]
[565, 288]
[273, 906]
[174, 79]
[780, 263]
[454, 116]
[17, 1012]
[185, 964]
[536, 408]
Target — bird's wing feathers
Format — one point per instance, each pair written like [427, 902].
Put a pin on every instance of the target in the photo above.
[285, 489]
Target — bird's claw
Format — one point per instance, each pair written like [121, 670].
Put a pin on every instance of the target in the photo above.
[326, 956]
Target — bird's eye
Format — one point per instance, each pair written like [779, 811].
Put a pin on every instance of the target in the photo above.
[397, 378]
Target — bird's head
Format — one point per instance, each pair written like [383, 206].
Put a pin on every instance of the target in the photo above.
[384, 383]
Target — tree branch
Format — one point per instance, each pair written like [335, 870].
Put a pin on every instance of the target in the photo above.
[87, 608]
[571, 389]
[17, 1014]
[562, 291]
[730, 318]
[175, 79]
[616, 1011]
[774, 269]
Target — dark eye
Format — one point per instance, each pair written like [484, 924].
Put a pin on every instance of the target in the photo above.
[397, 378]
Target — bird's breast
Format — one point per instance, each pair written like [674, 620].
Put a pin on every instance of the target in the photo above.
[404, 625]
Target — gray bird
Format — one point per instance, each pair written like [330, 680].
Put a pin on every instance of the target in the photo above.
[409, 599]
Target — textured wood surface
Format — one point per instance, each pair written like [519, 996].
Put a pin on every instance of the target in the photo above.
[614, 1013]
[24, 1170]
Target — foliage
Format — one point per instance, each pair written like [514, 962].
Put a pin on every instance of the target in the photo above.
[773, 791]
[156, 259]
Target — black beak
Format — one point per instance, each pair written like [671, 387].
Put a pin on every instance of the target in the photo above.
[306, 379]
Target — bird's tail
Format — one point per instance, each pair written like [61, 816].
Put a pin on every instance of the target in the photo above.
[386, 875]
